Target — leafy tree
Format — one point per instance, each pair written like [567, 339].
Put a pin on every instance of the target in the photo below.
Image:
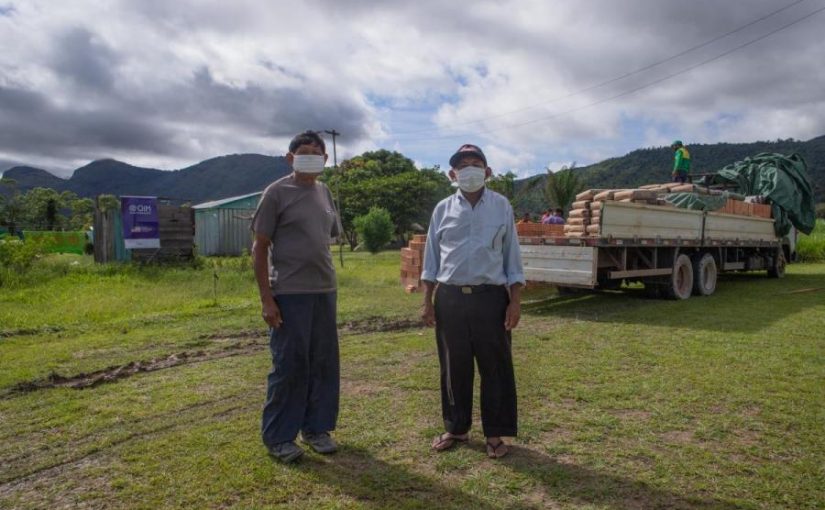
[504, 184]
[562, 187]
[376, 228]
[108, 202]
[47, 209]
[82, 213]
[388, 180]
[11, 205]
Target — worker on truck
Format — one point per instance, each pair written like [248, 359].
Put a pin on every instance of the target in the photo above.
[681, 162]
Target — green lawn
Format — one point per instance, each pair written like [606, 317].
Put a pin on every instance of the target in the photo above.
[625, 402]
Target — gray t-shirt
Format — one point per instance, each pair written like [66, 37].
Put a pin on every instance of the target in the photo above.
[300, 220]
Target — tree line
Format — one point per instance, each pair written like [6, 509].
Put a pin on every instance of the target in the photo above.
[43, 209]
[383, 196]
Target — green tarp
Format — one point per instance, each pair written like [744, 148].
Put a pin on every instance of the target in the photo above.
[700, 202]
[783, 179]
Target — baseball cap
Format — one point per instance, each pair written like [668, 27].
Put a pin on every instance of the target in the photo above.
[467, 149]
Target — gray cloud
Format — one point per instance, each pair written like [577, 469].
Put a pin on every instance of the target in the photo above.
[33, 123]
[172, 81]
[84, 60]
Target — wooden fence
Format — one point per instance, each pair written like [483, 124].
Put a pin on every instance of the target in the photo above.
[177, 237]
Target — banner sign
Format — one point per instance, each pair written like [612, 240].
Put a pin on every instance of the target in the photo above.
[140, 222]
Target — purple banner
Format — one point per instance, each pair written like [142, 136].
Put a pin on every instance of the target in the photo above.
[139, 217]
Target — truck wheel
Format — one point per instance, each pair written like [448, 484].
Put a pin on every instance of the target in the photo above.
[778, 269]
[653, 290]
[680, 285]
[704, 274]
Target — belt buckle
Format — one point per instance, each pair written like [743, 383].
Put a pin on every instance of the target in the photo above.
[466, 290]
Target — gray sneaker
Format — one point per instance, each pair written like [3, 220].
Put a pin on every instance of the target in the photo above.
[286, 452]
[321, 442]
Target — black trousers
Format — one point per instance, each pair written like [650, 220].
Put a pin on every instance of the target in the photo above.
[470, 327]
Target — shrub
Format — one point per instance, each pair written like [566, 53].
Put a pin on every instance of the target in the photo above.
[19, 255]
[16, 258]
[376, 228]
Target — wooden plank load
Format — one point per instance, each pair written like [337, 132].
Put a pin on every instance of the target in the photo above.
[412, 262]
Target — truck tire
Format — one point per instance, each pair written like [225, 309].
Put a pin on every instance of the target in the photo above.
[680, 285]
[704, 274]
[779, 263]
[654, 290]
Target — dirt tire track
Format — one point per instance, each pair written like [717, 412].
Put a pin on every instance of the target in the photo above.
[8, 333]
[117, 372]
[378, 324]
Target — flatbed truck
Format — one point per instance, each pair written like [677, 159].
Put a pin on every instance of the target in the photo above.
[674, 252]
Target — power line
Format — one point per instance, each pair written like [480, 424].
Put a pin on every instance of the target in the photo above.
[631, 91]
[617, 78]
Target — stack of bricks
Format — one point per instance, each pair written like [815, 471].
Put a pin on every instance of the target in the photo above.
[746, 209]
[532, 233]
[412, 262]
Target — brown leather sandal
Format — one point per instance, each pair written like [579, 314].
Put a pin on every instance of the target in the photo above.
[496, 450]
[446, 441]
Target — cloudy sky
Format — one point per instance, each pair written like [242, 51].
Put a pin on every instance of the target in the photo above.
[536, 83]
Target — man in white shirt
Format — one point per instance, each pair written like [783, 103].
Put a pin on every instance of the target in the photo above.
[473, 277]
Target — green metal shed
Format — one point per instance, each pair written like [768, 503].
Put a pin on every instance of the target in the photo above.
[222, 227]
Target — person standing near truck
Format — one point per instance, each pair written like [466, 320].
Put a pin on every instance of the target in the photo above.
[473, 256]
[681, 162]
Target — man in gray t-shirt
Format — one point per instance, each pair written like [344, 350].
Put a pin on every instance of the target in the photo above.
[293, 226]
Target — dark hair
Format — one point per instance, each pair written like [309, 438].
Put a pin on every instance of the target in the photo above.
[560, 212]
[308, 137]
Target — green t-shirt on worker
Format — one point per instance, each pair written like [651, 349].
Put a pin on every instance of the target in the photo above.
[300, 220]
[681, 161]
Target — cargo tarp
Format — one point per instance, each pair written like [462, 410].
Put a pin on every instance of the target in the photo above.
[783, 179]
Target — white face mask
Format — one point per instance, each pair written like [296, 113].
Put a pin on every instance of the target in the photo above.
[308, 163]
[471, 178]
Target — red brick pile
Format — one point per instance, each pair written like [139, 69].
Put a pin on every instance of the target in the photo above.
[412, 262]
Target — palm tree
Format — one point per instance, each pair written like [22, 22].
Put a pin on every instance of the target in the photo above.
[562, 187]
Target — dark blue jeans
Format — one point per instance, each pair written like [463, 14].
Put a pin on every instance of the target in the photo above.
[303, 385]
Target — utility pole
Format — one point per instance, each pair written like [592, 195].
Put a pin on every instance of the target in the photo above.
[334, 134]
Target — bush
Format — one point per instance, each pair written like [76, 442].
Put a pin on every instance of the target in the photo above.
[19, 255]
[375, 228]
[16, 258]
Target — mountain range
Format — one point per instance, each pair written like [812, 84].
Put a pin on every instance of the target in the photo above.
[213, 179]
[239, 174]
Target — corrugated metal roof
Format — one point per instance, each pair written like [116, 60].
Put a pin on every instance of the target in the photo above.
[225, 201]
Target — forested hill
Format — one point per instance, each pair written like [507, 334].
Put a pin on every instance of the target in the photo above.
[221, 177]
[652, 165]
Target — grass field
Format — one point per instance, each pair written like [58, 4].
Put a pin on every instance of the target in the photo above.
[624, 402]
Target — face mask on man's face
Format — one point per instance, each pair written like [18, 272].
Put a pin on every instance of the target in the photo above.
[308, 163]
[471, 178]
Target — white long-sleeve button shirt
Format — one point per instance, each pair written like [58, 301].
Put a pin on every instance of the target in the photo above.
[469, 245]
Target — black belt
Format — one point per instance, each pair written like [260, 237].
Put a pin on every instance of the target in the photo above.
[471, 289]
